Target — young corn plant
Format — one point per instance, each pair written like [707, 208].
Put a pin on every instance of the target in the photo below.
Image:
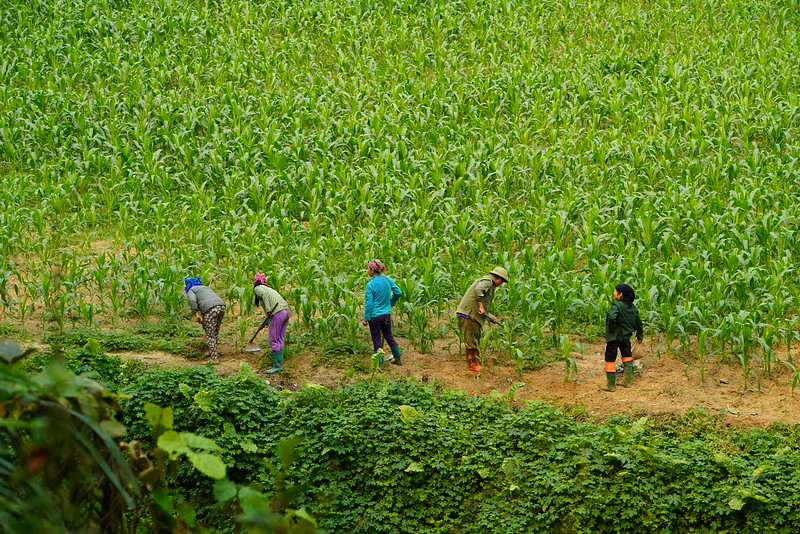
[420, 332]
[570, 366]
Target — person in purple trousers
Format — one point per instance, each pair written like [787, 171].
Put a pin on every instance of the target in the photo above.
[381, 294]
[276, 308]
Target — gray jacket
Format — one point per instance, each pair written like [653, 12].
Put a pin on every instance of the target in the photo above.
[202, 299]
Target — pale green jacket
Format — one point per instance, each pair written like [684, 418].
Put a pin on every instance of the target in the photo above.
[269, 298]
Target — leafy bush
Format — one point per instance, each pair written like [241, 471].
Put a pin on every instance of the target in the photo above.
[402, 456]
[89, 361]
[62, 470]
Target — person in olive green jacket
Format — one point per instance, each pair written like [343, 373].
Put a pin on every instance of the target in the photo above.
[473, 311]
[622, 320]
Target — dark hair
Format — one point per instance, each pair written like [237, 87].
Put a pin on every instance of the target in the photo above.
[627, 292]
[256, 298]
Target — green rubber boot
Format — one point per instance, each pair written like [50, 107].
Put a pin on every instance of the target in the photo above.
[396, 355]
[277, 362]
[611, 382]
[628, 375]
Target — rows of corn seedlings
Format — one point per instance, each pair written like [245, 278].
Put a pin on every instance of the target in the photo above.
[580, 144]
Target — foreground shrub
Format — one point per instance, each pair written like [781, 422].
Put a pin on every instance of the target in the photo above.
[403, 456]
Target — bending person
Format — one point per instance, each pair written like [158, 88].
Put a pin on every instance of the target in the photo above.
[474, 309]
[209, 308]
[278, 312]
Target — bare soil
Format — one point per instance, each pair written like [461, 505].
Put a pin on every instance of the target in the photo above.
[662, 385]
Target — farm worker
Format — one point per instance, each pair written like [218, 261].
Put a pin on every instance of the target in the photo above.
[381, 294]
[276, 308]
[474, 309]
[622, 320]
[209, 309]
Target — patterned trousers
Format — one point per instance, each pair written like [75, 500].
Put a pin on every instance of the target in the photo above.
[212, 320]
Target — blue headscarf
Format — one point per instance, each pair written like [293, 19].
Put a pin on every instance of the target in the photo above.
[191, 282]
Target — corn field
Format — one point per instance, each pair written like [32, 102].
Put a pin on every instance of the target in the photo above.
[580, 144]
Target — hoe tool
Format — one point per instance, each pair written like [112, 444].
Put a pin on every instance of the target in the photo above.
[251, 346]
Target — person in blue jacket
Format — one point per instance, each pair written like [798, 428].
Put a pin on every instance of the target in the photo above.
[381, 294]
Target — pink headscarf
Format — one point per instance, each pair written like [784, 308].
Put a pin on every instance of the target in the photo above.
[260, 278]
[376, 266]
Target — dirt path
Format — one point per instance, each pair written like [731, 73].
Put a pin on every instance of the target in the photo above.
[663, 385]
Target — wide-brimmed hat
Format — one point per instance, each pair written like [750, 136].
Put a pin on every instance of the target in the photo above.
[500, 273]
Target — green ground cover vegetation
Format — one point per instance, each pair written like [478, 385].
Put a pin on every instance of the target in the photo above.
[403, 456]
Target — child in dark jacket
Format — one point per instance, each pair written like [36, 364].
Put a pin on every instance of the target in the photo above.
[622, 320]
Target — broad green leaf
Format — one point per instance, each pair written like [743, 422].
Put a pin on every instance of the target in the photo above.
[208, 464]
[224, 490]
[199, 442]
[414, 467]
[287, 448]
[248, 446]
[253, 502]
[158, 416]
[186, 390]
[204, 400]
[10, 351]
[113, 428]
[408, 413]
[164, 501]
[173, 442]
[760, 470]
[93, 346]
[304, 515]
[167, 419]
[736, 503]
[754, 496]
[187, 514]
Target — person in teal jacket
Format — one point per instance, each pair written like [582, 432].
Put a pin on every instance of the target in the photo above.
[381, 294]
[622, 320]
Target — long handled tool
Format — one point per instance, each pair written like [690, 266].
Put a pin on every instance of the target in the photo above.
[493, 319]
[251, 346]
